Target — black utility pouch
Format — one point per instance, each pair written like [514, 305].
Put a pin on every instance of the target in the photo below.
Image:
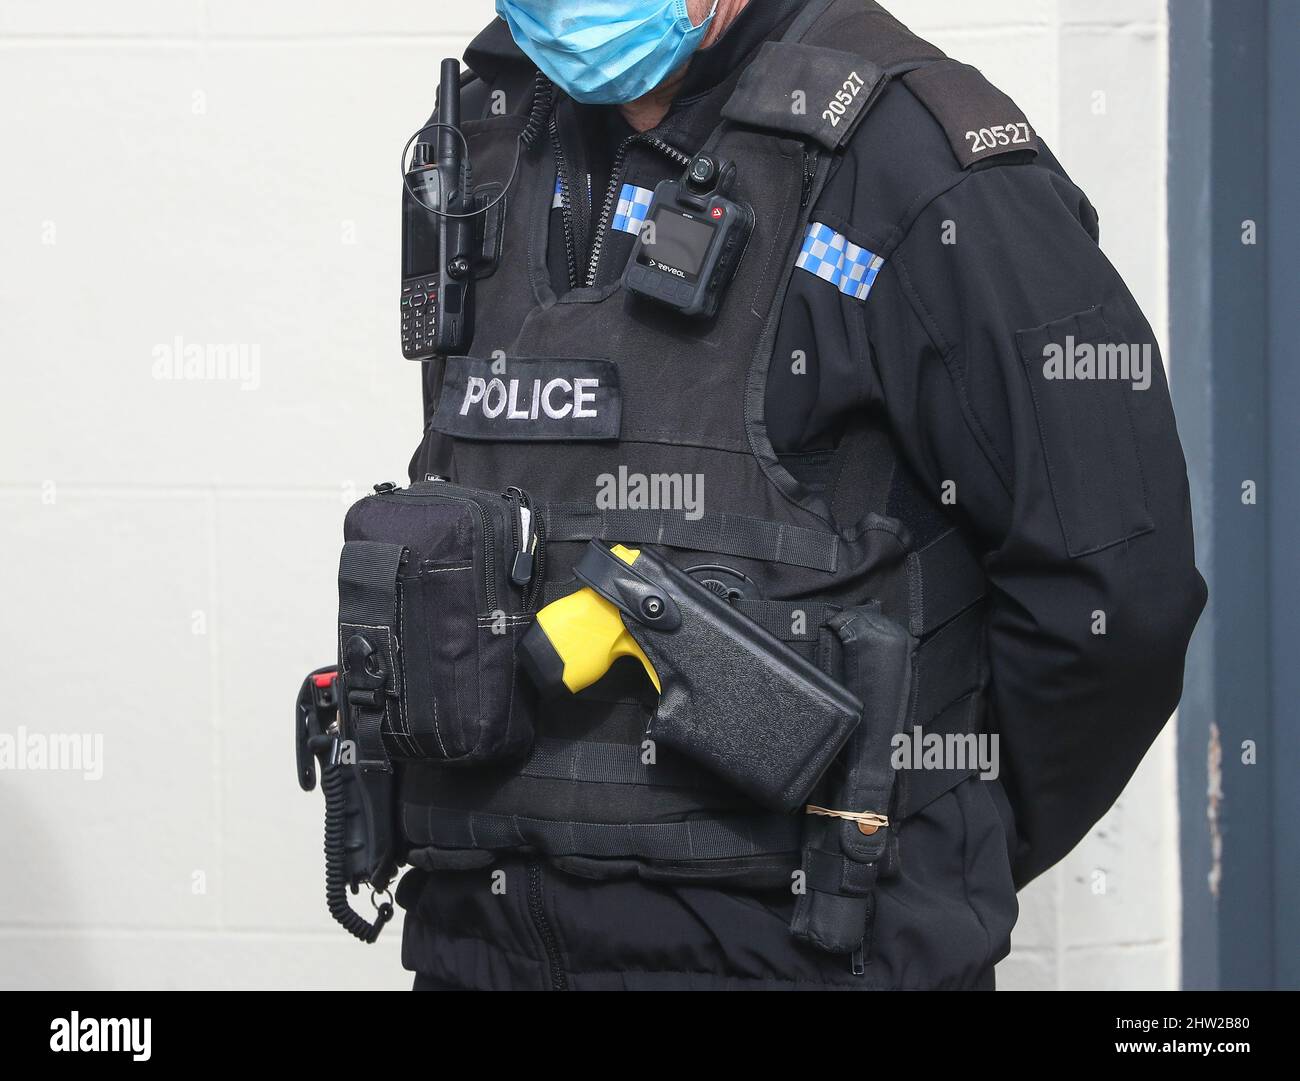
[849, 841]
[436, 585]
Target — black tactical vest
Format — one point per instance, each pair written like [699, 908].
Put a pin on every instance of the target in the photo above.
[636, 388]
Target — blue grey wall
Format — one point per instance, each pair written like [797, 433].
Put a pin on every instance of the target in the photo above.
[1233, 106]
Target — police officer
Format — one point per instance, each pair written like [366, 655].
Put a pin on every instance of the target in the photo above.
[925, 389]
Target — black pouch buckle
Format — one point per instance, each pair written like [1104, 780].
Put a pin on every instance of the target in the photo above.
[317, 709]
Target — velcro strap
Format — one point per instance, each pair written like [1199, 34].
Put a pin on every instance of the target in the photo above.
[368, 583]
[916, 788]
[721, 837]
[368, 607]
[943, 579]
[949, 665]
[724, 534]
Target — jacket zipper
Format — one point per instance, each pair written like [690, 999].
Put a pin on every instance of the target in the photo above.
[566, 203]
[559, 979]
[615, 185]
[611, 198]
[809, 175]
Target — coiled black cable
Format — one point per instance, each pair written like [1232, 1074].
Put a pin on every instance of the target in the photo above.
[543, 97]
[336, 875]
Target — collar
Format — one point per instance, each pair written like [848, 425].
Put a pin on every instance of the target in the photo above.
[494, 50]
[758, 21]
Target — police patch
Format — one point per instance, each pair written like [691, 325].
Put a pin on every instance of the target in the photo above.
[833, 257]
[523, 399]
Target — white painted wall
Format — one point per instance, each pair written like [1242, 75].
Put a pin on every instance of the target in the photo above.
[224, 172]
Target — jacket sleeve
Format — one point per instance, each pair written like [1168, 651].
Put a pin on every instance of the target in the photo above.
[1074, 486]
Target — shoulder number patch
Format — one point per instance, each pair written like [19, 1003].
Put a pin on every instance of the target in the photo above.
[979, 120]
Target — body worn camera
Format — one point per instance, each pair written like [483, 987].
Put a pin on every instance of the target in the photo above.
[692, 240]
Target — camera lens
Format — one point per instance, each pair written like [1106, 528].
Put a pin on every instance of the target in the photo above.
[702, 169]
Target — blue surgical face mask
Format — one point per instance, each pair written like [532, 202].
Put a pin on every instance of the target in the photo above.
[604, 51]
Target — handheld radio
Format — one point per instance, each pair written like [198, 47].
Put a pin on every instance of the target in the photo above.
[438, 235]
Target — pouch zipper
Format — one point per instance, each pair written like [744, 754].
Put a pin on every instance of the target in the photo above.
[529, 545]
[534, 545]
[559, 979]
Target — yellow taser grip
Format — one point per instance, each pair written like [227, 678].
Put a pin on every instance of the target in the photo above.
[587, 633]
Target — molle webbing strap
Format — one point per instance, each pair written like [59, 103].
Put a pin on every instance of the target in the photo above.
[610, 763]
[724, 534]
[715, 838]
[779, 618]
[368, 607]
[807, 86]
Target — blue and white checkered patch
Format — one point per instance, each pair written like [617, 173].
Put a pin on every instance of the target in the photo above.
[633, 204]
[557, 200]
[836, 259]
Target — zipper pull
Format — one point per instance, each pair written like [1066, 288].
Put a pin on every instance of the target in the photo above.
[521, 567]
[809, 175]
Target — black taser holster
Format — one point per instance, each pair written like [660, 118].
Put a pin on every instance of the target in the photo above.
[849, 840]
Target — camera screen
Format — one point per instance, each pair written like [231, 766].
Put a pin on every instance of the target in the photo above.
[679, 242]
